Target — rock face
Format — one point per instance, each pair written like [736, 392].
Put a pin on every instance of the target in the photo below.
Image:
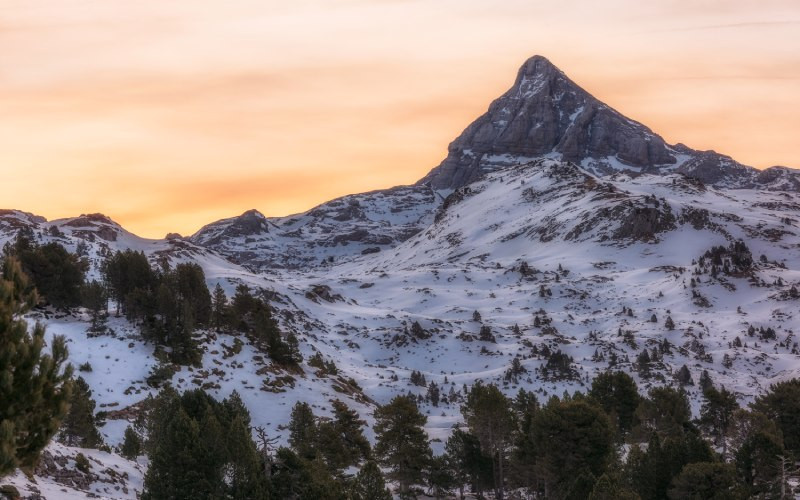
[545, 114]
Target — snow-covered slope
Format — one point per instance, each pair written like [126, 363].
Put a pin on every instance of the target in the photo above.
[342, 228]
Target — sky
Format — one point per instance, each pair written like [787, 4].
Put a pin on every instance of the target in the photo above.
[167, 115]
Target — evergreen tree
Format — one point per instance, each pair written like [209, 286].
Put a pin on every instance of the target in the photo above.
[57, 274]
[487, 413]
[706, 481]
[716, 414]
[341, 441]
[244, 471]
[651, 472]
[180, 467]
[131, 444]
[782, 404]
[665, 411]
[34, 387]
[618, 395]
[369, 484]
[219, 305]
[79, 427]
[468, 463]
[294, 478]
[440, 478]
[402, 444]
[572, 436]
[303, 431]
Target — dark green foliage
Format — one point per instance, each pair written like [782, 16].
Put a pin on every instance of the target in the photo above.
[571, 436]
[57, 274]
[487, 413]
[341, 441]
[131, 283]
[757, 443]
[79, 427]
[402, 445]
[369, 484]
[34, 387]
[716, 415]
[200, 448]
[169, 303]
[82, 463]
[440, 478]
[469, 465]
[651, 472]
[559, 366]
[219, 307]
[782, 404]
[706, 481]
[131, 444]
[303, 431]
[607, 487]
[665, 411]
[95, 298]
[618, 395]
[294, 478]
[684, 377]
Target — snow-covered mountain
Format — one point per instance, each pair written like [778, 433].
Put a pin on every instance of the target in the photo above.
[565, 226]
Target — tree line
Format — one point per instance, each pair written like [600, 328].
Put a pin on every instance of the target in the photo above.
[609, 443]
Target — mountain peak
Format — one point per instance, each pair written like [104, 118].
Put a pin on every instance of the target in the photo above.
[545, 114]
[536, 65]
[252, 213]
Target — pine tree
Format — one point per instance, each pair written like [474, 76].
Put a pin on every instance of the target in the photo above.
[244, 470]
[705, 480]
[402, 444]
[716, 415]
[131, 444]
[572, 437]
[369, 484]
[219, 304]
[669, 324]
[468, 463]
[34, 387]
[487, 413]
[618, 394]
[179, 466]
[79, 427]
[303, 431]
[341, 441]
[782, 403]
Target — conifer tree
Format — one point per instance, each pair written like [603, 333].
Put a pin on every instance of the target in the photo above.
[369, 484]
[402, 444]
[487, 413]
[716, 415]
[219, 304]
[34, 387]
[572, 436]
[79, 427]
[303, 431]
[782, 404]
[131, 444]
[617, 393]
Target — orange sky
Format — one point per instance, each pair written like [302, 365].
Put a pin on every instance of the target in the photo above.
[167, 115]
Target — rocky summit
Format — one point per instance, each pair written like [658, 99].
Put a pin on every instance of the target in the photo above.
[545, 114]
